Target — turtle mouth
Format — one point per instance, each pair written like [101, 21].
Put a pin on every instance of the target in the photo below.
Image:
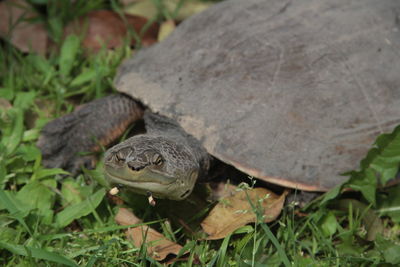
[148, 180]
[140, 177]
[140, 181]
[130, 183]
[143, 187]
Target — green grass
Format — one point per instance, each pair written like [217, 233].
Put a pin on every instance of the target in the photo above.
[47, 219]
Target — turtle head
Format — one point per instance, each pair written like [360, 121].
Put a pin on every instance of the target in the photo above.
[157, 165]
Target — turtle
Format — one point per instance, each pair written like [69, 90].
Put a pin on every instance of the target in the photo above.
[293, 93]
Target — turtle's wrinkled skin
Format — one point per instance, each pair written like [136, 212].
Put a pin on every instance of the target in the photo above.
[165, 161]
[66, 141]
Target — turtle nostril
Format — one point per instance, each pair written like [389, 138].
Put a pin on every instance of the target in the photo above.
[135, 166]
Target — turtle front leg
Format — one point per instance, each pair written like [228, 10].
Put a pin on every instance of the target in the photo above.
[65, 140]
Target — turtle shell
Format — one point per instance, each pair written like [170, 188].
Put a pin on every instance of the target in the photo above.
[290, 92]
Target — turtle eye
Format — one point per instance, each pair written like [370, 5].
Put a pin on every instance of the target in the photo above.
[157, 159]
[120, 156]
[123, 153]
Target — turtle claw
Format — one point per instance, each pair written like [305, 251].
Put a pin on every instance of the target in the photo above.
[61, 145]
[86, 130]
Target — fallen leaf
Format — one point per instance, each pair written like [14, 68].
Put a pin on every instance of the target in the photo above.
[5, 104]
[126, 217]
[144, 8]
[235, 211]
[166, 28]
[147, 8]
[25, 35]
[103, 27]
[189, 8]
[139, 24]
[115, 199]
[158, 246]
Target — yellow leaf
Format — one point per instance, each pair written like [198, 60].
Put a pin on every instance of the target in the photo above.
[5, 104]
[165, 29]
[189, 8]
[235, 211]
[144, 8]
[147, 9]
[158, 246]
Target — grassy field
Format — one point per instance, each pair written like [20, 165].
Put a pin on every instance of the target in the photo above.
[49, 218]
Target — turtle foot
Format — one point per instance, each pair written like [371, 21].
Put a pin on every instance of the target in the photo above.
[68, 142]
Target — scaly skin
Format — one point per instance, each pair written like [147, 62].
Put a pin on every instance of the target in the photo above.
[65, 140]
[165, 161]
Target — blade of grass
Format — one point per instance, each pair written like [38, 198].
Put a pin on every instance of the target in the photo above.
[37, 253]
[102, 248]
[79, 210]
[268, 232]
[15, 212]
[69, 51]
[222, 251]
[275, 242]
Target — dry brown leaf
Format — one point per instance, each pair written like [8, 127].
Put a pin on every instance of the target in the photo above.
[26, 36]
[5, 104]
[158, 246]
[166, 28]
[126, 217]
[104, 27]
[235, 211]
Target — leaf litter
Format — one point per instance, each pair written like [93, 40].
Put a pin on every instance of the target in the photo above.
[25, 35]
[97, 28]
[237, 210]
[109, 29]
[234, 210]
[175, 9]
[158, 246]
[166, 28]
